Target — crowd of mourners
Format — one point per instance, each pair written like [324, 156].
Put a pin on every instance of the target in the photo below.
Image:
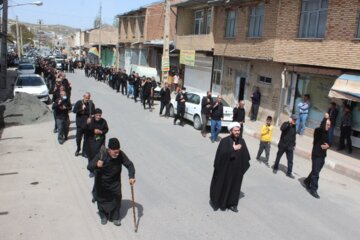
[232, 156]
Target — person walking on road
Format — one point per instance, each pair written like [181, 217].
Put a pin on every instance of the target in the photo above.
[345, 130]
[287, 145]
[265, 140]
[255, 99]
[98, 128]
[231, 163]
[181, 99]
[147, 93]
[333, 114]
[217, 114]
[83, 109]
[206, 105]
[165, 97]
[239, 115]
[318, 154]
[303, 110]
[108, 168]
[61, 107]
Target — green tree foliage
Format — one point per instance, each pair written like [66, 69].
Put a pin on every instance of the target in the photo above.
[28, 36]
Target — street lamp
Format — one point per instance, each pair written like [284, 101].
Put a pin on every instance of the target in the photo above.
[3, 58]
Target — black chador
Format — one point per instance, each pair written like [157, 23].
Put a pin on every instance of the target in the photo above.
[229, 167]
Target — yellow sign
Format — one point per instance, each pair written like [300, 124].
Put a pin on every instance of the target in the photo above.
[187, 57]
[165, 64]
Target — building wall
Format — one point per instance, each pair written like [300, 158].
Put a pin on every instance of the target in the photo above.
[339, 48]
[108, 36]
[242, 45]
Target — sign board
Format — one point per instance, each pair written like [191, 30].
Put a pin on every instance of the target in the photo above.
[165, 64]
[187, 57]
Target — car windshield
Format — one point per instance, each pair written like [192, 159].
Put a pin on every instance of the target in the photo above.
[225, 104]
[26, 67]
[29, 81]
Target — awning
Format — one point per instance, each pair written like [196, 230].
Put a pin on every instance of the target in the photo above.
[347, 87]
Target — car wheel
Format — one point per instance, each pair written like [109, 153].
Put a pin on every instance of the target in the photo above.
[197, 122]
[172, 111]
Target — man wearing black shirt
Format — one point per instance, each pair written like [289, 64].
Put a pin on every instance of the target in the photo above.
[181, 99]
[61, 107]
[206, 104]
[165, 97]
[239, 115]
[217, 114]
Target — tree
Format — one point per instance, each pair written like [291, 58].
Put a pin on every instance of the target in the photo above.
[27, 35]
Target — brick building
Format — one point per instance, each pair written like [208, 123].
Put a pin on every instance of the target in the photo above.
[287, 48]
[141, 39]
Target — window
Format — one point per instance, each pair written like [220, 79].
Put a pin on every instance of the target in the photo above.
[208, 21]
[230, 24]
[141, 25]
[218, 66]
[199, 22]
[265, 80]
[256, 22]
[358, 31]
[135, 56]
[143, 57]
[313, 18]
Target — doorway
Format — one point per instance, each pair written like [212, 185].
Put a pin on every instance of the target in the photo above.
[240, 86]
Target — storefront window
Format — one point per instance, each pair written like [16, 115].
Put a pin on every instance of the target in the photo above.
[318, 88]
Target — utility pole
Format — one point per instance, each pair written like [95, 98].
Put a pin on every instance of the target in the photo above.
[18, 37]
[165, 57]
[3, 73]
[39, 33]
[100, 20]
[21, 42]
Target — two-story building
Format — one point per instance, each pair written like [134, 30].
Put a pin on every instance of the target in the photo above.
[140, 38]
[286, 48]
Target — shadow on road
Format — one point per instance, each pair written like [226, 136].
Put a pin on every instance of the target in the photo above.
[126, 205]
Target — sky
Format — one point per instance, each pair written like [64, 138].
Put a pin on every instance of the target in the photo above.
[73, 13]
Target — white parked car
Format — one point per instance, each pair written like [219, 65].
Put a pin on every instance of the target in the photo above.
[25, 68]
[32, 84]
[193, 109]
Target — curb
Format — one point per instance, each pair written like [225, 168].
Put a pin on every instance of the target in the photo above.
[329, 164]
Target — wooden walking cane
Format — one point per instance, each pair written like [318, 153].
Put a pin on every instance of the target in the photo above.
[133, 205]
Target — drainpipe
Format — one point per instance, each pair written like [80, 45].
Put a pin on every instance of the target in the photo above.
[281, 98]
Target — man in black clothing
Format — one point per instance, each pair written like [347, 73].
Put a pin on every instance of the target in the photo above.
[333, 114]
[83, 109]
[130, 84]
[165, 97]
[318, 154]
[61, 107]
[147, 93]
[239, 115]
[98, 128]
[108, 166]
[217, 114]
[206, 105]
[287, 145]
[123, 80]
[181, 99]
[231, 162]
[137, 82]
[345, 130]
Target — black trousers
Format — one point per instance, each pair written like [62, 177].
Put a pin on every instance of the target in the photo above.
[180, 115]
[63, 127]
[80, 134]
[147, 98]
[254, 111]
[165, 105]
[289, 156]
[124, 88]
[313, 179]
[114, 213]
[205, 120]
[345, 134]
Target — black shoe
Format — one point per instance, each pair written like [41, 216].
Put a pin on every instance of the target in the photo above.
[93, 200]
[117, 222]
[55, 130]
[315, 194]
[104, 221]
[174, 122]
[258, 158]
[350, 151]
[66, 138]
[275, 170]
[307, 183]
[289, 175]
[234, 209]
[267, 164]
[212, 140]
[61, 141]
[77, 153]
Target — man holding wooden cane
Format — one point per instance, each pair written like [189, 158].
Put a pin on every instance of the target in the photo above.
[108, 166]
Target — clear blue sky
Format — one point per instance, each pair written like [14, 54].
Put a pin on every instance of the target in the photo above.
[73, 13]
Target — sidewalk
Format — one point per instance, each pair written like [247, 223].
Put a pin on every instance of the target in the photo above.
[340, 162]
[6, 93]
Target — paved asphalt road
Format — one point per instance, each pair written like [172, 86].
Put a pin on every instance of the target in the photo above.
[174, 166]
